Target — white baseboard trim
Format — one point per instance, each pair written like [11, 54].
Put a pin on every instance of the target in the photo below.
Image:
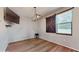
[59, 44]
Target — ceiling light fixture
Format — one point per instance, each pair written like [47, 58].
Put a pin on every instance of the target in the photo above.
[36, 15]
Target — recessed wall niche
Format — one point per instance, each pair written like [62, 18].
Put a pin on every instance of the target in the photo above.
[10, 16]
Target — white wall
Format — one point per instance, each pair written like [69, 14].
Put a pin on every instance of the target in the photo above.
[24, 30]
[3, 34]
[65, 40]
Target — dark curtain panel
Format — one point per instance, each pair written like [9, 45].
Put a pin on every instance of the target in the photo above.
[50, 24]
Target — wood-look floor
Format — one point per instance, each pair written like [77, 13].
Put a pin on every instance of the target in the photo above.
[36, 45]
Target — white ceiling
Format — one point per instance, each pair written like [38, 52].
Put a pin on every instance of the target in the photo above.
[29, 11]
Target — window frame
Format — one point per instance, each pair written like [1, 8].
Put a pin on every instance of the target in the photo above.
[71, 22]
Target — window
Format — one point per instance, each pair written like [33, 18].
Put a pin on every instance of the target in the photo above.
[64, 22]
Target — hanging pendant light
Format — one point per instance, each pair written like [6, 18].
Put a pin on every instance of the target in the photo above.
[36, 15]
[35, 12]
